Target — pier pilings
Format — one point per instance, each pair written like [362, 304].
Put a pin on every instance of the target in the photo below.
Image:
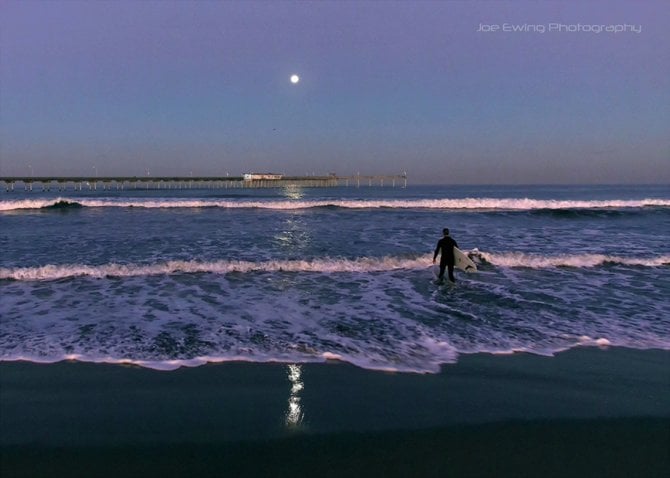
[79, 183]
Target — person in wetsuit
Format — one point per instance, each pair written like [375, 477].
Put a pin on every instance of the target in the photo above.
[446, 247]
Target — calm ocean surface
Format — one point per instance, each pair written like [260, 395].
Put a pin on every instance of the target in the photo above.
[165, 278]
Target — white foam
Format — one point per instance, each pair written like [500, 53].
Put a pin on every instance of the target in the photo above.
[326, 265]
[601, 342]
[287, 204]
[331, 356]
[423, 368]
[293, 324]
[364, 264]
[536, 261]
[29, 204]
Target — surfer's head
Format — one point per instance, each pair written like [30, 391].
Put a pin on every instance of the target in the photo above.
[445, 231]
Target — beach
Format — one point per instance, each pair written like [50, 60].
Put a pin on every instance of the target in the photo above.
[583, 412]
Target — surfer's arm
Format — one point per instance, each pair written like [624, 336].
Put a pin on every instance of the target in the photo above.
[437, 251]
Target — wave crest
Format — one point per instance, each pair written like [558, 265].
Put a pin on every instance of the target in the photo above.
[56, 272]
[520, 259]
[325, 265]
[508, 204]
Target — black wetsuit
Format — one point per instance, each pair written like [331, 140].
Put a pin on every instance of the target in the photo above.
[446, 244]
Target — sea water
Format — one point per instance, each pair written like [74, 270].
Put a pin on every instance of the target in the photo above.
[170, 278]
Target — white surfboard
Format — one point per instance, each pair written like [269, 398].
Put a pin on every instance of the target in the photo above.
[463, 262]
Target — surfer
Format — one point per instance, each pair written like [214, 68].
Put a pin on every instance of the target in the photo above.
[446, 246]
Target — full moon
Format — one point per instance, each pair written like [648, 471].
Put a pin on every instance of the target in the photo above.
[295, 79]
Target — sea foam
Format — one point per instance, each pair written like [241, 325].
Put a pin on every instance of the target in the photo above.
[323, 266]
[536, 261]
[508, 204]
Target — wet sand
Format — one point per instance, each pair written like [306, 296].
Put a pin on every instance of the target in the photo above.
[584, 412]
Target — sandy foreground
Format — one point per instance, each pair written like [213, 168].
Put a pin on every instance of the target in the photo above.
[584, 412]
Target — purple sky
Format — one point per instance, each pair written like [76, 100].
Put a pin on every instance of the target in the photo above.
[174, 87]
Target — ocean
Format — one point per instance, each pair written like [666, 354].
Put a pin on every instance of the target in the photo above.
[183, 277]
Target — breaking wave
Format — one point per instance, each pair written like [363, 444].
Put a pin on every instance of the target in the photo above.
[324, 266]
[508, 204]
[63, 205]
[520, 259]
[57, 272]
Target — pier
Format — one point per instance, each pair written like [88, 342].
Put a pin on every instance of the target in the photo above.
[79, 183]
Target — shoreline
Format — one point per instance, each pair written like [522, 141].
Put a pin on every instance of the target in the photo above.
[327, 358]
[69, 415]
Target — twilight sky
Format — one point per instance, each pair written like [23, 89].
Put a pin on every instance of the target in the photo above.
[174, 87]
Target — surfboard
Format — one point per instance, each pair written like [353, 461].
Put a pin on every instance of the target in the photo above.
[463, 262]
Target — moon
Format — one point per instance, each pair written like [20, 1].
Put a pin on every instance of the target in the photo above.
[295, 79]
